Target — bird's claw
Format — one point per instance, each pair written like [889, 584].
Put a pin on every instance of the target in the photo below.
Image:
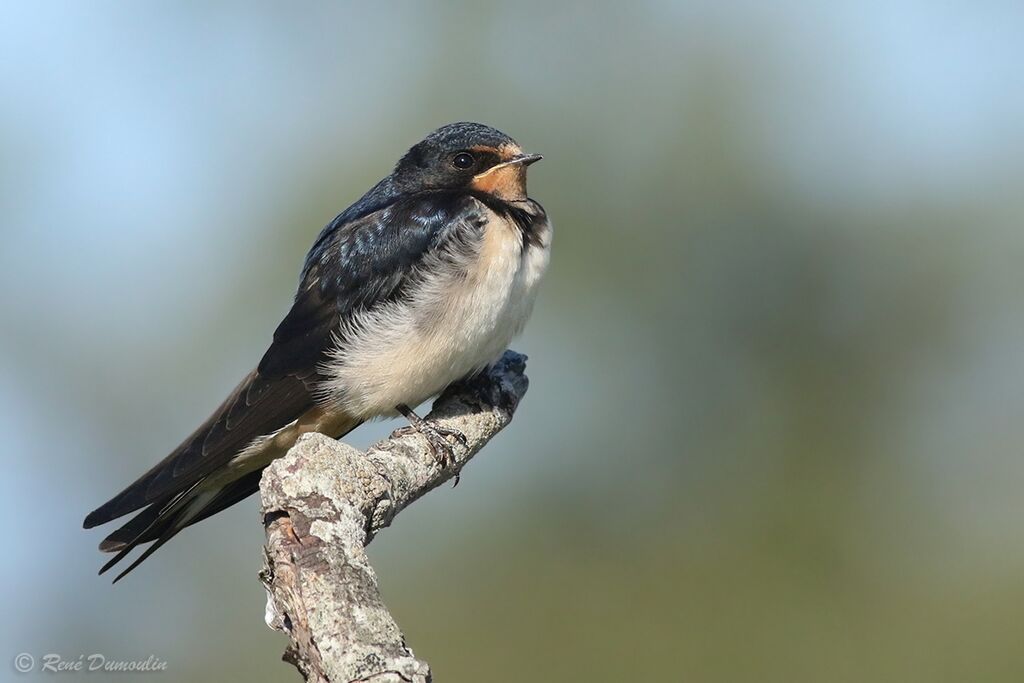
[437, 438]
[448, 432]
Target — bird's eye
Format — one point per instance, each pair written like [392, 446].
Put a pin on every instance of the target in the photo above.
[463, 160]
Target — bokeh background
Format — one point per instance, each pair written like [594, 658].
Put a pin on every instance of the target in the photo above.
[776, 415]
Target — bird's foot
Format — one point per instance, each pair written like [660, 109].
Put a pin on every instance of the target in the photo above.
[437, 437]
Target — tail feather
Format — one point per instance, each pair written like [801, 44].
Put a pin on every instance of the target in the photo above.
[163, 523]
[167, 521]
[166, 517]
[258, 406]
[139, 529]
[149, 551]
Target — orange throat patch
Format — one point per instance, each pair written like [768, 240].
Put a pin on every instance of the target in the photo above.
[506, 182]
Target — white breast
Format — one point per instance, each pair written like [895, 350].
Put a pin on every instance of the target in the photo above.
[459, 318]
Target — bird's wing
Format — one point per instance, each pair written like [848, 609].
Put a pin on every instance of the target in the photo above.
[354, 265]
[256, 407]
[361, 264]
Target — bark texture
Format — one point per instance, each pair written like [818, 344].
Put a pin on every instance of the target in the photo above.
[323, 503]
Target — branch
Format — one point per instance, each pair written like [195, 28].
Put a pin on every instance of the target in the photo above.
[323, 503]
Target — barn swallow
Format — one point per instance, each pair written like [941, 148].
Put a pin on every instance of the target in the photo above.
[421, 282]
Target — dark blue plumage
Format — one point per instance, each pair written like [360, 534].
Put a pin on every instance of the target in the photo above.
[359, 264]
[367, 256]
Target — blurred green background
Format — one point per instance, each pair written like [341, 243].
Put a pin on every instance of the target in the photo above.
[775, 418]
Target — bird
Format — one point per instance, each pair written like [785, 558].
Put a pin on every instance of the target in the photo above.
[423, 281]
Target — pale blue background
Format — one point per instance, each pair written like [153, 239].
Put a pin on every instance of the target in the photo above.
[775, 423]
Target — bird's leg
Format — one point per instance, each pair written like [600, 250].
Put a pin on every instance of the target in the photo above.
[436, 436]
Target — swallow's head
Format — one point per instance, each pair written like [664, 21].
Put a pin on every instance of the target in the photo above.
[469, 156]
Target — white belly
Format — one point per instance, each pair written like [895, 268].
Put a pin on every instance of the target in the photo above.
[456, 322]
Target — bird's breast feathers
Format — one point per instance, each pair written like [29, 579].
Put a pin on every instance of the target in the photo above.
[467, 302]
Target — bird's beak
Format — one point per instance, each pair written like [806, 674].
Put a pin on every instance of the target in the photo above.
[506, 180]
[524, 159]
